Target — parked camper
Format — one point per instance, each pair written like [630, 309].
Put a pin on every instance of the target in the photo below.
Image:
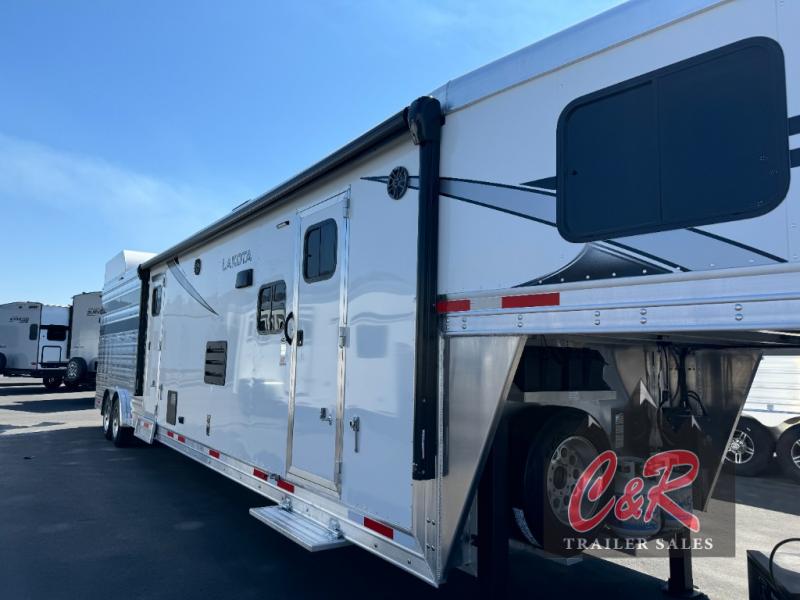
[582, 247]
[33, 341]
[770, 423]
[84, 337]
[118, 350]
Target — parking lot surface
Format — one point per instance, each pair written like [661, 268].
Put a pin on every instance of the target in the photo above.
[82, 519]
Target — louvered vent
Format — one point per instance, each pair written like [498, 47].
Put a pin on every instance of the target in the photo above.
[216, 362]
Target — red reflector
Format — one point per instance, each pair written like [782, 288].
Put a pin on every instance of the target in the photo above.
[379, 527]
[529, 300]
[285, 485]
[214, 453]
[181, 439]
[260, 474]
[446, 306]
[170, 434]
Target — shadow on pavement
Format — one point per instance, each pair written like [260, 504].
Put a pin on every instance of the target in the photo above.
[52, 406]
[4, 428]
[773, 493]
[125, 512]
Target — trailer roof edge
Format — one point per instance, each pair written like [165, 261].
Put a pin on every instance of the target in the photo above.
[603, 31]
[381, 133]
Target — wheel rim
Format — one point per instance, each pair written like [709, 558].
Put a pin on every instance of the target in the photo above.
[567, 464]
[106, 419]
[72, 370]
[795, 453]
[741, 449]
[115, 424]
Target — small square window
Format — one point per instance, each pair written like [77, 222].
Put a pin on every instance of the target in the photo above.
[56, 333]
[319, 251]
[155, 304]
[271, 311]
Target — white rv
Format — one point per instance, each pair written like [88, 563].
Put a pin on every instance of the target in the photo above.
[770, 422]
[584, 246]
[84, 337]
[33, 341]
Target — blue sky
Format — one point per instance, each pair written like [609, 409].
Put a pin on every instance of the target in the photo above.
[133, 124]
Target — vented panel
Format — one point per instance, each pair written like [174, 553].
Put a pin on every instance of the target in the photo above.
[216, 362]
[172, 406]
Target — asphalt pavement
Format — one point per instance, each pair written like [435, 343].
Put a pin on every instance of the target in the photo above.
[82, 519]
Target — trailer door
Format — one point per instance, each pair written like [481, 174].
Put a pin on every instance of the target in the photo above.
[318, 343]
[155, 343]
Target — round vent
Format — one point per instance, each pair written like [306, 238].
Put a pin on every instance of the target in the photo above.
[398, 183]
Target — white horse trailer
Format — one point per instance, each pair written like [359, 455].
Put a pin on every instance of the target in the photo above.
[770, 422]
[33, 341]
[118, 336]
[584, 246]
[84, 338]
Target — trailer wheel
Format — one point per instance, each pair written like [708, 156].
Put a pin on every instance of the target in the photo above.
[52, 382]
[789, 452]
[106, 412]
[558, 454]
[121, 436]
[750, 449]
[76, 370]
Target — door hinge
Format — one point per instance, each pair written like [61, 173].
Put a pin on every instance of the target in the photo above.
[343, 333]
[346, 208]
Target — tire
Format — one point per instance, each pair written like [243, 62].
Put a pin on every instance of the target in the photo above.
[3, 362]
[76, 370]
[106, 413]
[558, 453]
[121, 436]
[789, 452]
[52, 382]
[750, 449]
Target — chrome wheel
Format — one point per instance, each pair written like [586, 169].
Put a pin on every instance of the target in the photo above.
[795, 454]
[741, 449]
[106, 418]
[567, 464]
[115, 424]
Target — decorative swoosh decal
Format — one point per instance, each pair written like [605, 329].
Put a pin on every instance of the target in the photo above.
[180, 276]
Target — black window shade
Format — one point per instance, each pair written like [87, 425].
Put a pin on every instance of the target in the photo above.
[701, 141]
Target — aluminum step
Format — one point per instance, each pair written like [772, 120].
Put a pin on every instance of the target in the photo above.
[309, 534]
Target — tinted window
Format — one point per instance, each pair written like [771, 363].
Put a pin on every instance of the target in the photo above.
[319, 251]
[271, 307]
[56, 333]
[33, 331]
[701, 141]
[155, 304]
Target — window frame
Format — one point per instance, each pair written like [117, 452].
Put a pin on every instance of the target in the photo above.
[271, 285]
[62, 329]
[155, 303]
[309, 229]
[777, 105]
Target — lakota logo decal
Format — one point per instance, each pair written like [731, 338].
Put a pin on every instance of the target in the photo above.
[237, 260]
[631, 504]
[19, 319]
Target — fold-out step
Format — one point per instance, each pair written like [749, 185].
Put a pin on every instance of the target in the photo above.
[310, 535]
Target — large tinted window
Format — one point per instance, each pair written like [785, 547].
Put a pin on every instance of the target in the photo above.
[698, 142]
[56, 333]
[319, 251]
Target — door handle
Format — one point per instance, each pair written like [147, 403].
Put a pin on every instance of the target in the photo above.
[325, 415]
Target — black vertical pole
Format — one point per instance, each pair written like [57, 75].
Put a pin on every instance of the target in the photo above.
[681, 582]
[425, 120]
[493, 519]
